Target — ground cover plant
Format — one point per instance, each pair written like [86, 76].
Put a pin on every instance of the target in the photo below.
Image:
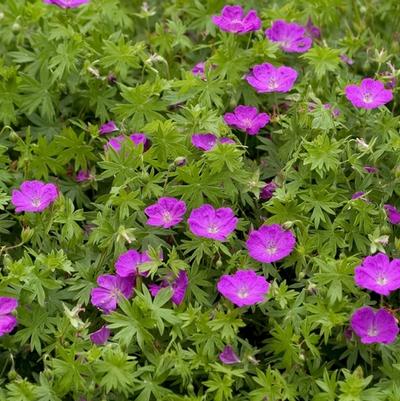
[199, 200]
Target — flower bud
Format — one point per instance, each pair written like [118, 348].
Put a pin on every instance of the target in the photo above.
[27, 234]
[15, 27]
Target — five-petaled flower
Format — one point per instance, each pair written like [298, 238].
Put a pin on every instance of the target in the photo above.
[267, 78]
[270, 243]
[111, 290]
[128, 263]
[167, 212]
[7, 321]
[232, 19]
[290, 36]
[243, 288]
[100, 336]
[247, 119]
[228, 356]
[33, 196]
[178, 286]
[370, 94]
[393, 214]
[377, 273]
[108, 127]
[374, 326]
[67, 3]
[208, 222]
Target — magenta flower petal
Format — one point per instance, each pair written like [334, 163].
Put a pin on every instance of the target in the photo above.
[270, 243]
[112, 288]
[7, 305]
[228, 356]
[243, 288]
[232, 19]
[247, 119]
[100, 336]
[33, 196]
[290, 36]
[227, 141]
[167, 212]
[267, 78]
[67, 3]
[178, 286]
[377, 273]
[136, 138]
[370, 94]
[392, 213]
[204, 141]
[374, 326]
[7, 324]
[208, 222]
[128, 262]
[108, 127]
[83, 175]
[268, 191]
[139, 138]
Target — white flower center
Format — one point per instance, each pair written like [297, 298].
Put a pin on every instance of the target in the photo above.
[243, 293]
[372, 331]
[367, 98]
[247, 123]
[272, 83]
[271, 248]
[167, 217]
[36, 202]
[382, 280]
[213, 229]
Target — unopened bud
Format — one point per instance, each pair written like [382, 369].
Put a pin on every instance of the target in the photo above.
[15, 27]
[180, 161]
[27, 234]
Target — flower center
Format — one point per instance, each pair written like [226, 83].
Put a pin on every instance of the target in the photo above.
[247, 123]
[271, 248]
[372, 331]
[382, 280]
[243, 293]
[272, 83]
[213, 229]
[167, 217]
[36, 202]
[367, 98]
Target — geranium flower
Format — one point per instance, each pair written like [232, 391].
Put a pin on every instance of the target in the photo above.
[392, 213]
[267, 78]
[199, 69]
[228, 356]
[243, 288]
[83, 175]
[290, 36]
[7, 321]
[370, 94]
[357, 195]
[207, 142]
[311, 30]
[66, 3]
[377, 273]
[167, 212]
[100, 336]
[270, 243]
[136, 138]
[177, 285]
[111, 289]
[232, 19]
[370, 169]
[208, 222]
[268, 191]
[108, 127]
[247, 119]
[33, 196]
[128, 262]
[374, 326]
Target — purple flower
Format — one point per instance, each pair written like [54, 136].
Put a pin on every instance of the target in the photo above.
[392, 213]
[83, 175]
[128, 262]
[167, 212]
[226, 141]
[108, 127]
[335, 111]
[66, 3]
[177, 285]
[111, 289]
[268, 191]
[136, 138]
[247, 119]
[33, 196]
[358, 195]
[270, 243]
[243, 288]
[228, 356]
[311, 30]
[374, 326]
[290, 36]
[208, 222]
[370, 169]
[377, 273]
[7, 321]
[199, 69]
[370, 94]
[232, 19]
[346, 59]
[100, 336]
[267, 78]
[204, 141]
